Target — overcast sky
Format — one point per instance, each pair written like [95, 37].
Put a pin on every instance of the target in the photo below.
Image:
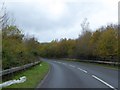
[55, 19]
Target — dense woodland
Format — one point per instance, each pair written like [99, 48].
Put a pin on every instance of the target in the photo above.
[101, 44]
[18, 49]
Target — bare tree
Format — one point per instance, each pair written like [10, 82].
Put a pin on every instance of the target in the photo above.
[85, 25]
[4, 17]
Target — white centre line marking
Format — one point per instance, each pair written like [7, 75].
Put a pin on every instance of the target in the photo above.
[59, 62]
[72, 66]
[103, 82]
[82, 70]
[64, 63]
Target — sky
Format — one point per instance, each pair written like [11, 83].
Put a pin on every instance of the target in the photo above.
[48, 20]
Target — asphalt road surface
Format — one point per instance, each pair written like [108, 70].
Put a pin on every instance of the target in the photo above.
[68, 74]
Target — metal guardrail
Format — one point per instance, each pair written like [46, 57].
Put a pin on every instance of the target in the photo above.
[102, 62]
[94, 61]
[15, 69]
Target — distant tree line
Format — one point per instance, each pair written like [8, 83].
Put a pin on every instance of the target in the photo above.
[101, 44]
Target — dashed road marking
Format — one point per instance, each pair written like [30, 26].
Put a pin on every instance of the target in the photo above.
[82, 70]
[64, 63]
[104, 82]
[72, 66]
[59, 62]
[92, 76]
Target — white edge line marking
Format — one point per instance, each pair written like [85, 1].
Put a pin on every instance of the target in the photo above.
[103, 82]
[82, 70]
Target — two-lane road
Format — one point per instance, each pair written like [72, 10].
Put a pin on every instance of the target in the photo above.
[66, 74]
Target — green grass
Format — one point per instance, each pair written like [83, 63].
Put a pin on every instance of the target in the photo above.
[104, 65]
[34, 75]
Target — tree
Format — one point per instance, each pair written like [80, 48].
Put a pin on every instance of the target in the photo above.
[107, 45]
[83, 45]
[94, 43]
[85, 26]
[4, 17]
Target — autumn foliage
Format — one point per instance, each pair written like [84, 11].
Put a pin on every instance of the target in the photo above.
[101, 44]
[16, 49]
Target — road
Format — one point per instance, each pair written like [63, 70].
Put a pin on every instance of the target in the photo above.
[67, 74]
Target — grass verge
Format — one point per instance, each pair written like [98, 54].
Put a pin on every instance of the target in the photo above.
[34, 75]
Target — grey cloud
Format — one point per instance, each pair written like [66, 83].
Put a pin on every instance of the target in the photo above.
[35, 21]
